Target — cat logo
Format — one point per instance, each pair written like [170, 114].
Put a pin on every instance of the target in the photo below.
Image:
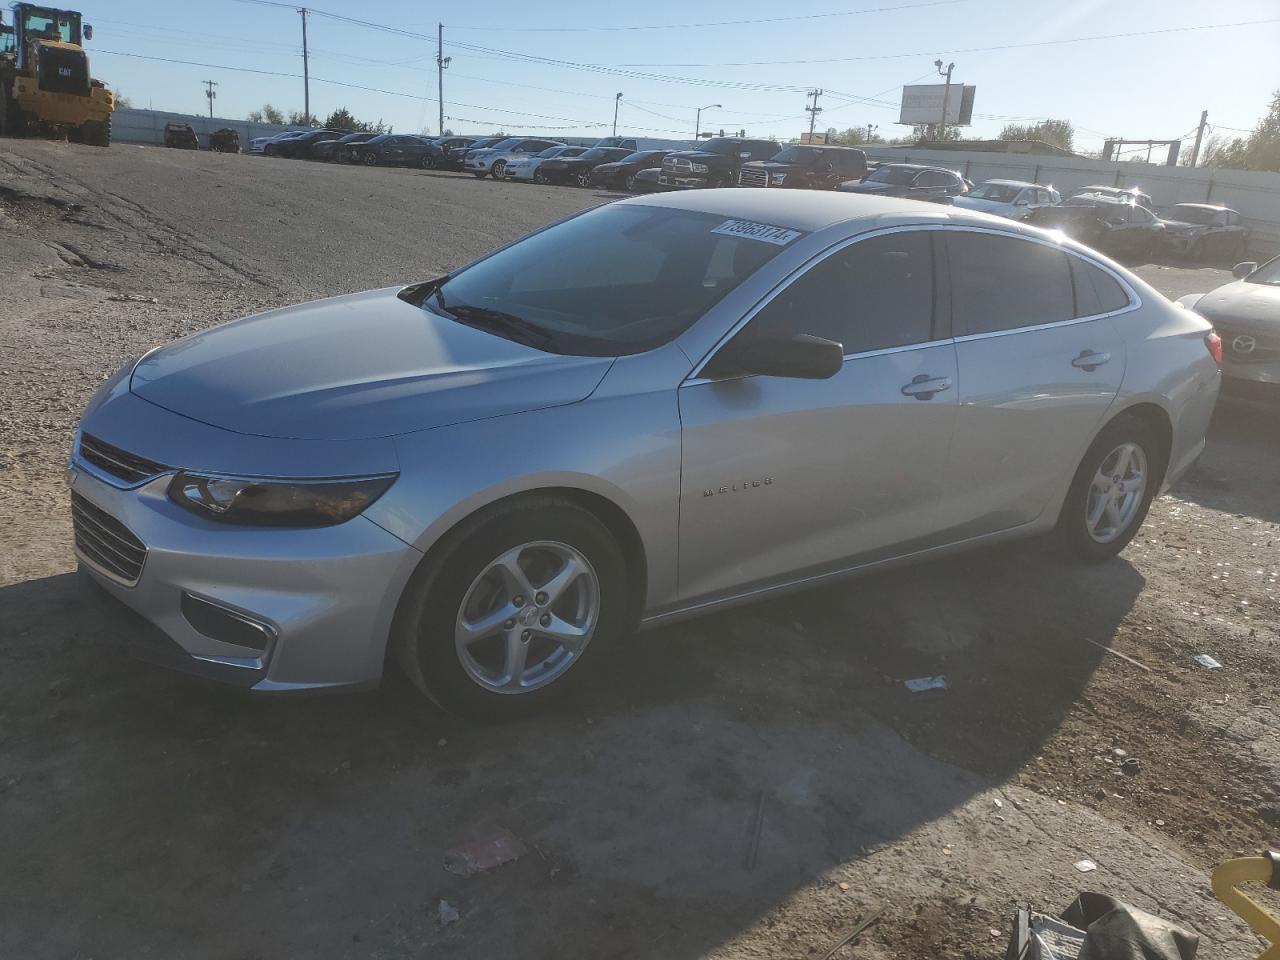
[64, 71]
[736, 487]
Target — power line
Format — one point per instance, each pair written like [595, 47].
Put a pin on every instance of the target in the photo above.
[714, 23]
[989, 49]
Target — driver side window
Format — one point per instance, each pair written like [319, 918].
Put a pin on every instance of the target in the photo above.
[871, 295]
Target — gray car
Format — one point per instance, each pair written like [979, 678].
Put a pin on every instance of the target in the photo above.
[494, 159]
[1200, 230]
[654, 409]
[1246, 314]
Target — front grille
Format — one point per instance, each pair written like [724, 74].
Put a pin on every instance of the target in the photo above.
[127, 467]
[62, 71]
[106, 542]
[677, 165]
[753, 178]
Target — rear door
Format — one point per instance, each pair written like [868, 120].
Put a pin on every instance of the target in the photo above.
[1039, 362]
[785, 476]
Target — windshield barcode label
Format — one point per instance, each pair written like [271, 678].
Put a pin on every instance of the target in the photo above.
[779, 236]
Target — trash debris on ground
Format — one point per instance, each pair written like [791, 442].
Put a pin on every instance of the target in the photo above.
[921, 684]
[1085, 866]
[1207, 661]
[1098, 926]
[447, 913]
[853, 934]
[1130, 766]
[476, 856]
[1117, 653]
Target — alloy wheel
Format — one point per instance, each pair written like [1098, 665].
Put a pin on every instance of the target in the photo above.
[630, 183]
[499, 169]
[584, 178]
[371, 159]
[526, 619]
[1116, 492]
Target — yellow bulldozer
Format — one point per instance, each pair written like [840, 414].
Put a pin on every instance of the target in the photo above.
[45, 85]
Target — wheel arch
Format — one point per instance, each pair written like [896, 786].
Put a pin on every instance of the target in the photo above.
[615, 519]
[1154, 416]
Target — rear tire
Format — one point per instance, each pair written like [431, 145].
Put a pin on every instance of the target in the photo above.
[96, 133]
[630, 183]
[1125, 448]
[468, 677]
[370, 159]
[427, 162]
[583, 179]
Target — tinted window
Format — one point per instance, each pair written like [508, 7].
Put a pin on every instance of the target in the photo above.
[1096, 290]
[871, 295]
[1002, 283]
[615, 280]
[933, 178]
[851, 164]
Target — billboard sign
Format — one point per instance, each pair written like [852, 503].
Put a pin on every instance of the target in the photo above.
[922, 103]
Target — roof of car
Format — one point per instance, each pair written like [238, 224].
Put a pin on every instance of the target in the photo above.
[1015, 183]
[1215, 207]
[812, 210]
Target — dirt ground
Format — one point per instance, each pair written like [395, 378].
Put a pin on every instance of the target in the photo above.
[145, 815]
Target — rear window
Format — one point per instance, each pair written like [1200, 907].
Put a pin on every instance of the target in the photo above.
[1096, 290]
[616, 280]
[1003, 283]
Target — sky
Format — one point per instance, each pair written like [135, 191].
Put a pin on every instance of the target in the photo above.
[685, 56]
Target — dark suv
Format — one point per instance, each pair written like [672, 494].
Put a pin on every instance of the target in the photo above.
[715, 164]
[442, 152]
[806, 168]
[392, 150]
[914, 180]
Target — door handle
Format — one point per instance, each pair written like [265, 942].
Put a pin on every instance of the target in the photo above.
[1090, 361]
[923, 386]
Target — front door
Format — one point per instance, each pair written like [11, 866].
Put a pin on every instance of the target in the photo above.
[1040, 362]
[783, 477]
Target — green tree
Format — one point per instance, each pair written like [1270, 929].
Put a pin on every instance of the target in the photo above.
[344, 119]
[123, 102]
[1060, 133]
[853, 137]
[268, 114]
[299, 119]
[1262, 149]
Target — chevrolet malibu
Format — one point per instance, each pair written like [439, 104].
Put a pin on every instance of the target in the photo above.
[657, 408]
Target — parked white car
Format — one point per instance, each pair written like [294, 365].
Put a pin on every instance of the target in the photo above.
[1012, 199]
[526, 168]
[494, 160]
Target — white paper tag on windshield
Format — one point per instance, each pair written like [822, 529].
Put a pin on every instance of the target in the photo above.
[779, 236]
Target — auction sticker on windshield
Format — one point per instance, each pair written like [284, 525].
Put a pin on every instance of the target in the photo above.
[779, 236]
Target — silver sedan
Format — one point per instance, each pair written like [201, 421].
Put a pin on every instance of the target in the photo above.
[654, 409]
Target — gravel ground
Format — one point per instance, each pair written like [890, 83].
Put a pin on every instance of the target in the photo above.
[143, 814]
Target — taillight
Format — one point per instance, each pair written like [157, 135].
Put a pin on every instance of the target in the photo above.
[1214, 343]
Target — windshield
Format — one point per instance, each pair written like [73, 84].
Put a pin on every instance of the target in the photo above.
[616, 280]
[722, 146]
[1268, 273]
[46, 24]
[551, 152]
[897, 176]
[604, 153]
[792, 154]
[642, 156]
[996, 192]
[1186, 213]
[507, 144]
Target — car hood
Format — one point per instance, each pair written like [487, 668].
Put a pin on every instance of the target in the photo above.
[1255, 304]
[981, 203]
[871, 186]
[613, 166]
[355, 367]
[701, 156]
[773, 166]
[1181, 225]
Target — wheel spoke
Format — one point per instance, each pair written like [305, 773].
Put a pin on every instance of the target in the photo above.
[570, 635]
[1113, 513]
[469, 631]
[1097, 509]
[508, 567]
[556, 587]
[1122, 461]
[513, 663]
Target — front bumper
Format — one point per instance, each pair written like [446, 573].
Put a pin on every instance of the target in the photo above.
[519, 173]
[323, 597]
[484, 165]
[674, 182]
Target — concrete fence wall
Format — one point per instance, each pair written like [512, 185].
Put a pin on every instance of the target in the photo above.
[1256, 195]
[147, 126]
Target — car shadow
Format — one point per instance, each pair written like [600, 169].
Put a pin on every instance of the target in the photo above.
[1239, 472]
[141, 798]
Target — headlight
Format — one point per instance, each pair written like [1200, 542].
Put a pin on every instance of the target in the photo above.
[778, 179]
[276, 503]
[699, 168]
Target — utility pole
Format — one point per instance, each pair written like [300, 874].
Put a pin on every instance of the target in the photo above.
[208, 92]
[946, 95]
[442, 64]
[1195, 151]
[813, 110]
[306, 70]
[697, 125]
[871, 130]
[616, 100]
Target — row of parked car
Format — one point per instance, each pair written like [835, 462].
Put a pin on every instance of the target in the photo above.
[1118, 220]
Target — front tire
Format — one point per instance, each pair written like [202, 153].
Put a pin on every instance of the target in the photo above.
[513, 610]
[630, 183]
[499, 169]
[540, 178]
[370, 159]
[427, 162]
[718, 180]
[1112, 490]
[583, 178]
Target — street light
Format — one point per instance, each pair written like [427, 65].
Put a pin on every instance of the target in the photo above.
[697, 127]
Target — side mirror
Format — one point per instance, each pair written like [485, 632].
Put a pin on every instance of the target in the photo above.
[88, 31]
[1242, 270]
[802, 357]
[745, 154]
